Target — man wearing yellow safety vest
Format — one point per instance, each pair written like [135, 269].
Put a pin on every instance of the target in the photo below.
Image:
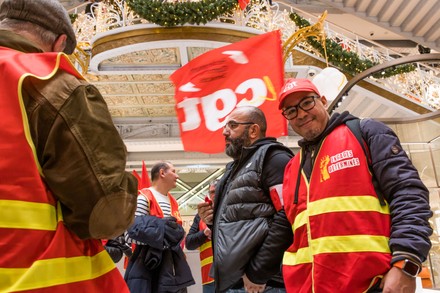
[358, 209]
[62, 186]
[199, 236]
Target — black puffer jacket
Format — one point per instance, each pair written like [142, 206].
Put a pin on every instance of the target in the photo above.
[249, 235]
[398, 180]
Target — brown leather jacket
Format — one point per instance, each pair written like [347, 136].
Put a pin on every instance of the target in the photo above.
[82, 156]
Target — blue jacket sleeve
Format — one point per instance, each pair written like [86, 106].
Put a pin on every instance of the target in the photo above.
[195, 238]
[402, 187]
[149, 230]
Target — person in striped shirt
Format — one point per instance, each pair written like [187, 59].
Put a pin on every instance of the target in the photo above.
[158, 263]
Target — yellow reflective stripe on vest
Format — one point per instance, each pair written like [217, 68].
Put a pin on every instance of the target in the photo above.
[340, 204]
[338, 244]
[56, 271]
[206, 261]
[302, 256]
[27, 215]
[353, 243]
[300, 220]
[205, 246]
[347, 204]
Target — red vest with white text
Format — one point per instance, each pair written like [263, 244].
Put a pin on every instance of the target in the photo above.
[341, 231]
[205, 256]
[38, 253]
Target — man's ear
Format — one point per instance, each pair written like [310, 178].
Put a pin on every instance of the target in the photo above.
[254, 131]
[324, 101]
[60, 43]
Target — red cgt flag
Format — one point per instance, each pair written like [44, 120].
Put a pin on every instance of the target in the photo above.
[208, 88]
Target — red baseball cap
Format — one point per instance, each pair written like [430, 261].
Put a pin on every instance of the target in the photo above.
[294, 85]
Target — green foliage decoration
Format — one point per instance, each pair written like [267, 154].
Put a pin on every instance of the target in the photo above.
[179, 13]
[348, 62]
[73, 17]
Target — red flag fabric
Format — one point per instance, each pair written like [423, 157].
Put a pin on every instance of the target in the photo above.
[243, 3]
[145, 181]
[208, 88]
[138, 178]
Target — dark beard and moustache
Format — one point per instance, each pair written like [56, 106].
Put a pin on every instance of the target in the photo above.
[235, 147]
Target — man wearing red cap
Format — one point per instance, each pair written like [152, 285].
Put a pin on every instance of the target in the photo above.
[347, 237]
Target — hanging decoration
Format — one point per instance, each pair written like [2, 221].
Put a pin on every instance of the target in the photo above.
[330, 81]
[349, 62]
[176, 13]
[304, 34]
[243, 4]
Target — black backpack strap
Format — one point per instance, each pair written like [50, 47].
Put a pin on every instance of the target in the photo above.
[355, 127]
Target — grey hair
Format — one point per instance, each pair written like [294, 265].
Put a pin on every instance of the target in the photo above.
[25, 27]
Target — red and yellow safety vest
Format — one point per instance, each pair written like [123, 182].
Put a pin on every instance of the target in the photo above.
[341, 231]
[38, 253]
[205, 257]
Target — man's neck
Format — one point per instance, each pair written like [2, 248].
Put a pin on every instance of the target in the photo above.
[160, 188]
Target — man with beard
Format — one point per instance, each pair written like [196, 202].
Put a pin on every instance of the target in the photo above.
[250, 230]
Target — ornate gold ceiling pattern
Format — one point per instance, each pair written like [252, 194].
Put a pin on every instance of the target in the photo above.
[131, 63]
[141, 95]
[162, 56]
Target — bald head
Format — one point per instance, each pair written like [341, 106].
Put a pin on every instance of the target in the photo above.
[254, 115]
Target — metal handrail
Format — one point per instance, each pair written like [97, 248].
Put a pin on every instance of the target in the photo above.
[379, 68]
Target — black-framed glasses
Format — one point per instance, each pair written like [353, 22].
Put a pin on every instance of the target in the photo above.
[234, 124]
[306, 104]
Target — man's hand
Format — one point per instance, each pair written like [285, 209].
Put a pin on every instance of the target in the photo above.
[397, 281]
[206, 212]
[174, 233]
[250, 287]
[207, 233]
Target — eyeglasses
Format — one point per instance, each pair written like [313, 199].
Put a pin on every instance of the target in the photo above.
[306, 104]
[234, 124]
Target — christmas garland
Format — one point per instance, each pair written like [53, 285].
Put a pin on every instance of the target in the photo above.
[348, 62]
[179, 13]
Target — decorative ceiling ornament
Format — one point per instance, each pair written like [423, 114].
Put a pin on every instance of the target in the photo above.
[340, 55]
[316, 30]
[419, 82]
[432, 101]
[174, 13]
[82, 58]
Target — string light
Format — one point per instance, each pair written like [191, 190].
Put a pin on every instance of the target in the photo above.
[172, 13]
[409, 80]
